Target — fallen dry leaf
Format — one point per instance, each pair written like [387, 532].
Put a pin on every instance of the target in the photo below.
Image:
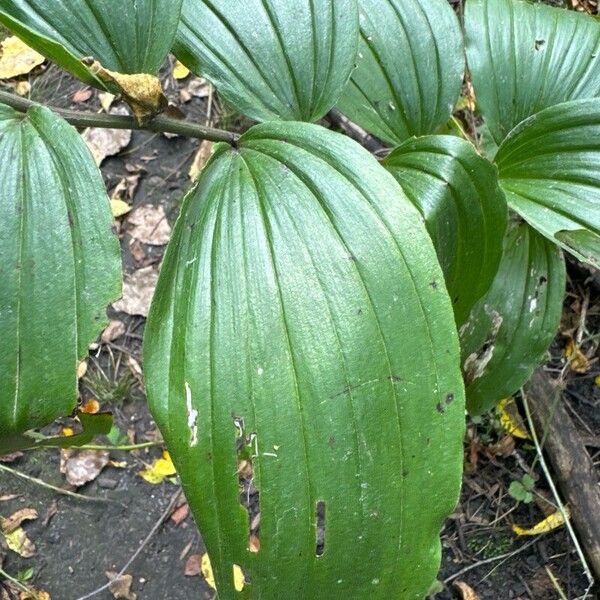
[180, 71]
[197, 87]
[13, 522]
[578, 361]
[138, 290]
[119, 208]
[8, 458]
[511, 419]
[126, 188]
[19, 543]
[82, 368]
[466, 591]
[205, 151]
[17, 58]
[82, 466]
[192, 565]
[149, 225]
[107, 142]
[90, 407]
[114, 330]
[22, 88]
[120, 587]
[554, 521]
[180, 514]
[160, 469]
[106, 100]
[82, 95]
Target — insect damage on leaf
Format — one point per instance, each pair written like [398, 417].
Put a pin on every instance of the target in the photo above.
[143, 92]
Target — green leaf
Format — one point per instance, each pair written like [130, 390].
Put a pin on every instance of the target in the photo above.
[457, 193]
[410, 68]
[513, 325]
[92, 426]
[128, 36]
[550, 173]
[272, 59]
[60, 265]
[525, 57]
[294, 319]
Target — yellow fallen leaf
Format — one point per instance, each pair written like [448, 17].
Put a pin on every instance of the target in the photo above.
[239, 581]
[68, 431]
[18, 542]
[207, 572]
[119, 208]
[160, 468]
[180, 71]
[554, 521]
[17, 58]
[466, 591]
[597, 380]
[510, 418]
[578, 361]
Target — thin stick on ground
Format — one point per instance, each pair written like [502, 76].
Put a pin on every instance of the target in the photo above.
[51, 487]
[554, 490]
[163, 517]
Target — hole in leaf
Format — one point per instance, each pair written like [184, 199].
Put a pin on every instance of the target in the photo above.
[320, 546]
[247, 451]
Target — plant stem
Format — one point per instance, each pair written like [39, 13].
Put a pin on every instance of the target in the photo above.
[17, 583]
[125, 448]
[52, 487]
[159, 124]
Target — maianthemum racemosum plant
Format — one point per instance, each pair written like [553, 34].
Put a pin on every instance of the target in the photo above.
[318, 310]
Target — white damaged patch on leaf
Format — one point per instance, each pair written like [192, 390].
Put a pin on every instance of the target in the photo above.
[192, 415]
[476, 363]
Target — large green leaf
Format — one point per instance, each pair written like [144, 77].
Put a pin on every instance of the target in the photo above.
[301, 314]
[513, 325]
[126, 36]
[410, 68]
[457, 193]
[525, 57]
[550, 171]
[272, 59]
[60, 265]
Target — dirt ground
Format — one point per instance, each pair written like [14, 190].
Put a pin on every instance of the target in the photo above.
[77, 541]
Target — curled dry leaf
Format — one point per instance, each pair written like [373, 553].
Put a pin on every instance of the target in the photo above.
[13, 522]
[149, 225]
[107, 142]
[17, 58]
[19, 543]
[554, 521]
[511, 419]
[138, 290]
[82, 466]
[114, 330]
[466, 591]
[120, 586]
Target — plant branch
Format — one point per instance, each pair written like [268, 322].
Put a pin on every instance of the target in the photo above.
[160, 124]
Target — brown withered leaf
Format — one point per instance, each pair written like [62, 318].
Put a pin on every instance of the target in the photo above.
[114, 330]
[466, 591]
[180, 514]
[138, 290]
[149, 225]
[82, 466]
[107, 142]
[192, 565]
[120, 587]
[13, 522]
